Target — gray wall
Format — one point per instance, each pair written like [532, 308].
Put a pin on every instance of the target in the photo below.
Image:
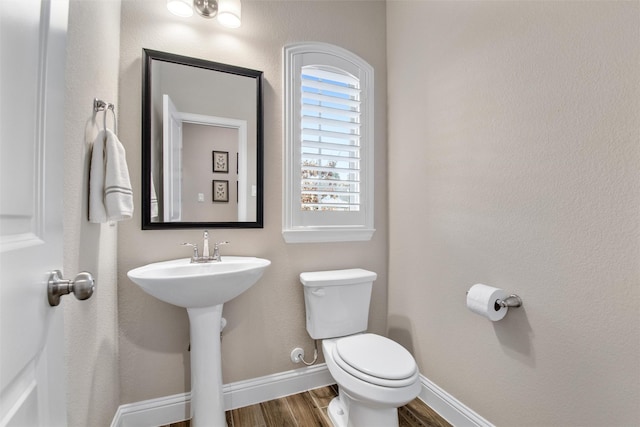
[266, 322]
[514, 161]
[198, 143]
[90, 326]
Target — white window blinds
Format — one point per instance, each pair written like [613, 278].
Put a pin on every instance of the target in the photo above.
[330, 140]
[329, 145]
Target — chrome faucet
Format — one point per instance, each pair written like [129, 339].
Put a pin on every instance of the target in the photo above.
[205, 244]
[196, 258]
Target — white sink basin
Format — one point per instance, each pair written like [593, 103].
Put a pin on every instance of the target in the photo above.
[181, 283]
[202, 289]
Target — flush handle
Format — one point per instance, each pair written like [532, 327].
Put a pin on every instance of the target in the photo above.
[82, 286]
[318, 292]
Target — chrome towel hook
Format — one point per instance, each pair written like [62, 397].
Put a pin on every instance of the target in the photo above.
[100, 105]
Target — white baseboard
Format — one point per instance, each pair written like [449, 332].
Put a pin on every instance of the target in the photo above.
[448, 407]
[256, 390]
[171, 409]
[154, 412]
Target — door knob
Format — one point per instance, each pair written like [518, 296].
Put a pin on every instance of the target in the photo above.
[82, 286]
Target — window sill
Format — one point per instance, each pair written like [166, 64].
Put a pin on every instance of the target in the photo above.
[325, 234]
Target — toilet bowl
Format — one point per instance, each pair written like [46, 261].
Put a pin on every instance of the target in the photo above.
[374, 374]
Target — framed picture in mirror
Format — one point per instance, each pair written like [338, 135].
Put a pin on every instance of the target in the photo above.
[220, 161]
[220, 191]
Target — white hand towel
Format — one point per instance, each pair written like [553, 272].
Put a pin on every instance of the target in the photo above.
[110, 194]
[97, 210]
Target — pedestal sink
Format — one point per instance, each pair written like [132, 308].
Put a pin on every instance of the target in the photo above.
[202, 288]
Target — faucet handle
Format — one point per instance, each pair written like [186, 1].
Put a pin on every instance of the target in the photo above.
[195, 251]
[216, 250]
[216, 244]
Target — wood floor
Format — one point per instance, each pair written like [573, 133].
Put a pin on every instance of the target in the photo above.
[309, 409]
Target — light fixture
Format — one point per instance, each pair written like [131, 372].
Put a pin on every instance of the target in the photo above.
[228, 12]
[206, 8]
[183, 8]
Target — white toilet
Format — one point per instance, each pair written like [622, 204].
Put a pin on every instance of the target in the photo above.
[375, 375]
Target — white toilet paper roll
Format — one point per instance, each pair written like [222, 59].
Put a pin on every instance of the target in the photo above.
[481, 299]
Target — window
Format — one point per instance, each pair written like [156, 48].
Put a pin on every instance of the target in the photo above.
[329, 145]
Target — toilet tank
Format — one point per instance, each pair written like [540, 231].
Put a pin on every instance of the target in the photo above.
[337, 301]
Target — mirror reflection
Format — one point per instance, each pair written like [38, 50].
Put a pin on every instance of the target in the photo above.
[202, 144]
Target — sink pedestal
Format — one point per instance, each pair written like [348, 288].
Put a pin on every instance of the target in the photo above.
[207, 399]
[202, 288]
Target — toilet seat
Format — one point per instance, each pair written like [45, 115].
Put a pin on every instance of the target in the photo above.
[376, 360]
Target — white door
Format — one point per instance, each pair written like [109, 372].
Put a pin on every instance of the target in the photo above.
[172, 161]
[32, 61]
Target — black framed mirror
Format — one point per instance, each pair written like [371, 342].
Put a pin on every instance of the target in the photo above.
[202, 144]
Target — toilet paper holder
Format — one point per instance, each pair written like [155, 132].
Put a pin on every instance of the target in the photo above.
[512, 300]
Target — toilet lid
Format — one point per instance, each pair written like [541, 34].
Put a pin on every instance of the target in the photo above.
[376, 359]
